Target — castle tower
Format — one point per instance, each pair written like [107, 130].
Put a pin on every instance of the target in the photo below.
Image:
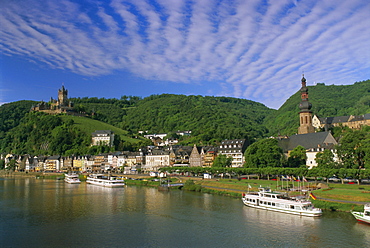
[63, 96]
[305, 115]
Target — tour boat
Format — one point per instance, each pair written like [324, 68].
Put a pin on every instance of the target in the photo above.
[71, 178]
[105, 181]
[363, 216]
[280, 202]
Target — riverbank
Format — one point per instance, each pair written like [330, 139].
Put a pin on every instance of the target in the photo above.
[333, 197]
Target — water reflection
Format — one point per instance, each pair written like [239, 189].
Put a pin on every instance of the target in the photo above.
[45, 213]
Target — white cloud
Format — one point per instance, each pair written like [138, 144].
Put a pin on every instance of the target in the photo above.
[256, 51]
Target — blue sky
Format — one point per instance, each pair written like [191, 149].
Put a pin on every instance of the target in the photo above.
[249, 49]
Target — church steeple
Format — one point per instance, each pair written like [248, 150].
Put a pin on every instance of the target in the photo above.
[305, 115]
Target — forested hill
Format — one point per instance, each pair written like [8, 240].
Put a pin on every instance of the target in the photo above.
[327, 101]
[209, 118]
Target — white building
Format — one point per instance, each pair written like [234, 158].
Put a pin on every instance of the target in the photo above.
[156, 159]
[102, 137]
[235, 149]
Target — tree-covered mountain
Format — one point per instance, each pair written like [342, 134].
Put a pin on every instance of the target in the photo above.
[327, 101]
[211, 119]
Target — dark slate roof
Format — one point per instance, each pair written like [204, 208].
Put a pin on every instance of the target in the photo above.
[233, 141]
[337, 119]
[55, 157]
[159, 152]
[107, 132]
[340, 119]
[309, 140]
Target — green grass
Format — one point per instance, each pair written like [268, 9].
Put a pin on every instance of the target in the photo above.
[141, 183]
[346, 192]
[89, 126]
[336, 206]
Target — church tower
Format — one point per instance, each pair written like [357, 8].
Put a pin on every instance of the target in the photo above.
[305, 115]
[63, 96]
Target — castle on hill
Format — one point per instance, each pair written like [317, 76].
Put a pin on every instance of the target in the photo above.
[56, 106]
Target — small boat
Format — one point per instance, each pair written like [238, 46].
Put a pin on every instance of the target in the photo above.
[280, 202]
[72, 178]
[363, 216]
[105, 181]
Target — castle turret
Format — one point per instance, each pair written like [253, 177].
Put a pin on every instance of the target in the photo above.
[305, 115]
[63, 96]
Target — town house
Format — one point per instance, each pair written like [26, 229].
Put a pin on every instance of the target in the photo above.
[235, 149]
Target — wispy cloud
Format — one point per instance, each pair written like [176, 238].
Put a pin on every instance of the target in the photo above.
[252, 50]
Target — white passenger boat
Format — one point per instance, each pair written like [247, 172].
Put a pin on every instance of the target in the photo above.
[105, 181]
[72, 178]
[363, 216]
[280, 202]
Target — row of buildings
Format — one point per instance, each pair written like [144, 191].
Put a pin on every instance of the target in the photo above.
[146, 160]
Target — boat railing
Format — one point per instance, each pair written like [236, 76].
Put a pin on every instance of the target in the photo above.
[264, 190]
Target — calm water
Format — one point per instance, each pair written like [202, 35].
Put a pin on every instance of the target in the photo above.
[48, 213]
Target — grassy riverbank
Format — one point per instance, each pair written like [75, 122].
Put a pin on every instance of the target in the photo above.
[352, 195]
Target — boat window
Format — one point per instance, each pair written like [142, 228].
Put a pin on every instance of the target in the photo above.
[367, 213]
[269, 203]
[273, 204]
[292, 206]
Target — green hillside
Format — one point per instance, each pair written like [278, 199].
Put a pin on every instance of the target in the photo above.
[88, 126]
[210, 119]
[327, 101]
[41, 134]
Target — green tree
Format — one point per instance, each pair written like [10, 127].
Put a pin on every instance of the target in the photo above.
[2, 164]
[12, 165]
[297, 157]
[352, 147]
[325, 160]
[222, 161]
[264, 153]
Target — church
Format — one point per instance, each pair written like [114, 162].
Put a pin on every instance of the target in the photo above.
[55, 106]
[313, 142]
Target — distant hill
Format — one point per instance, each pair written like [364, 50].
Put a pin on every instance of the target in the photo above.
[211, 119]
[12, 113]
[327, 101]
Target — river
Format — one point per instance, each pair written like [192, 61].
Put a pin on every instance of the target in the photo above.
[51, 213]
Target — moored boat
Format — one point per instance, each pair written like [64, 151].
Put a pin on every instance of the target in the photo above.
[280, 202]
[363, 216]
[105, 181]
[72, 178]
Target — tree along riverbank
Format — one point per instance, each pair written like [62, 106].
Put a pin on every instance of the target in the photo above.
[333, 196]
